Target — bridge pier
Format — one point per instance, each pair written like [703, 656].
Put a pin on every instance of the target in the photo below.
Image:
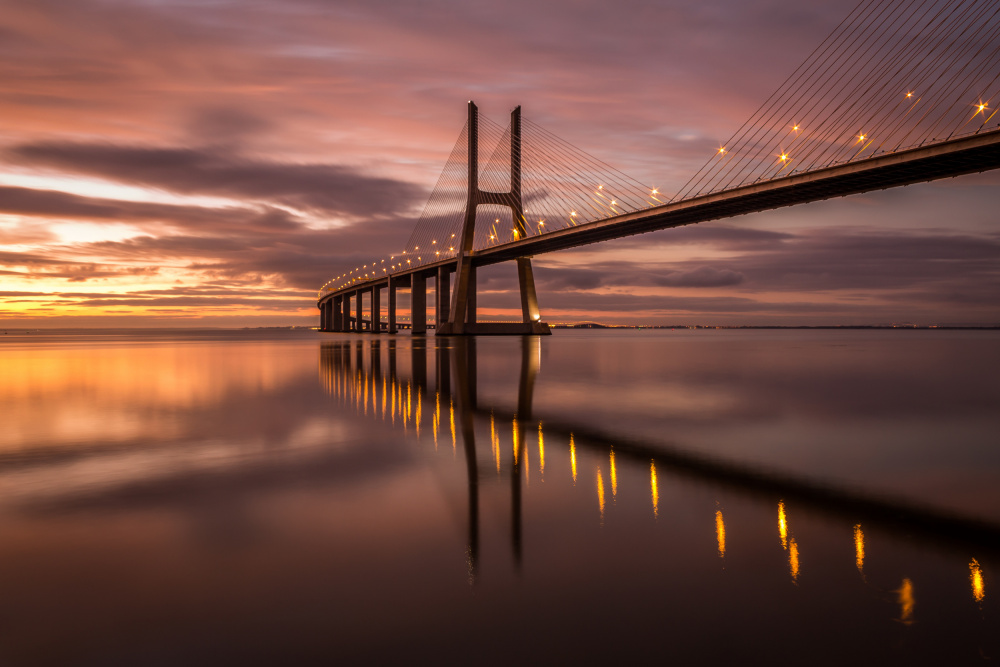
[462, 317]
[322, 317]
[392, 304]
[418, 303]
[470, 298]
[377, 309]
[338, 313]
[359, 317]
[442, 294]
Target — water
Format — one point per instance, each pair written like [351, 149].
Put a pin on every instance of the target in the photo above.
[805, 497]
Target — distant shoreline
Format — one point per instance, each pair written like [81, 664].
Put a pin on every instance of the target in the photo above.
[563, 326]
[778, 326]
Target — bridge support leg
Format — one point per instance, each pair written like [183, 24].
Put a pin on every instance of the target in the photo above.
[359, 319]
[377, 309]
[418, 304]
[470, 298]
[529, 300]
[338, 313]
[443, 295]
[392, 305]
[329, 315]
[322, 317]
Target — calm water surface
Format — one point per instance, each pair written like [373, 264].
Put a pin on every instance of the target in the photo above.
[785, 497]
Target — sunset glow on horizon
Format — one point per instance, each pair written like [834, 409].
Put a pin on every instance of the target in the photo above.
[165, 166]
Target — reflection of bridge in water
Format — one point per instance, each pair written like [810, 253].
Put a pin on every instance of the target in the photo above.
[439, 394]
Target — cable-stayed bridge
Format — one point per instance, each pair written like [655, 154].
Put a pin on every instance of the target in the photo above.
[898, 93]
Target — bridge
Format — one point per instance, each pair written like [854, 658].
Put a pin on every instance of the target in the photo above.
[897, 94]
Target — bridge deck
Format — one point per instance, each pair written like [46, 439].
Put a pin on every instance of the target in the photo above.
[965, 155]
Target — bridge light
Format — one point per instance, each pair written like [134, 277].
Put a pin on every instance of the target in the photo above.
[784, 157]
[600, 187]
[614, 203]
[795, 128]
[452, 236]
[573, 214]
[722, 150]
[655, 191]
[433, 242]
[452, 249]
[909, 94]
[982, 107]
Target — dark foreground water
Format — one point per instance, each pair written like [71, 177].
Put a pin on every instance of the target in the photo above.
[685, 497]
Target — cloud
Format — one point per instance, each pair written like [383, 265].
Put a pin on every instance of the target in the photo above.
[328, 188]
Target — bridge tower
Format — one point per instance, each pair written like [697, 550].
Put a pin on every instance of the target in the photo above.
[461, 315]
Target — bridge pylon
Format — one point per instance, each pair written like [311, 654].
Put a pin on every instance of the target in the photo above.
[461, 315]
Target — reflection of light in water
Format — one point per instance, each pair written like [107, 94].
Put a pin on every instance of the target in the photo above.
[409, 402]
[454, 442]
[654, 489]
[420, 405]
[515, 440]
[906, 602]
[437, 417]
[365, 395]
[600, 493]
[614, 476]
[393, 410]
[859, 548]
[527, 466]
[541, 450]
[720, 533]
[572, 456]
[793, 559]
[383, 397]
[782, 524]
[976, 578]
[496, 443]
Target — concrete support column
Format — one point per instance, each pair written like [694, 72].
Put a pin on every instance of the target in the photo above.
[418, 304]
[322, 317]
[338, 313]
[529, 301]
[392, 305]
[443, 291]
[470, 299]
[329, 315]
[359, 322]
[377, 309]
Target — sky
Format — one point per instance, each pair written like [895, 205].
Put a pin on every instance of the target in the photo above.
[184, 164]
